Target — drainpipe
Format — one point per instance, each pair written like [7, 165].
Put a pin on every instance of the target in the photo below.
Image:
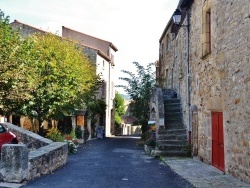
[109, 98]
[188, 73]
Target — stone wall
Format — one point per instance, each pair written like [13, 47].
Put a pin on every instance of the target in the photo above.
[31, 140]
[157, 103]
[173, 64]
[232, 57]
[41, 156]
[47, 159]
[219, 81]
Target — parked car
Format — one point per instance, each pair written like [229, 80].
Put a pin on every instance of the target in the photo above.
[6, 136]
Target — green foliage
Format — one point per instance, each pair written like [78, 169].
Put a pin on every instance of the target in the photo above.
[43, 76]
[58, 88]
[14, 83]
[119, 108]
[139, 88]
[145, 136]
[69, 138]
[73, 134]
[95, 106]
[72, 147]
[150, 142]
[55, 135]
[78, 132]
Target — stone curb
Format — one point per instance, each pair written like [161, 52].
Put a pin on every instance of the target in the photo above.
[202, 175]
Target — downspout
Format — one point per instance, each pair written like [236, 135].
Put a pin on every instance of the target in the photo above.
[109, 98]
[188, 75]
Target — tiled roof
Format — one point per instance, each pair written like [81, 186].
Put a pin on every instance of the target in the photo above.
[110, 44]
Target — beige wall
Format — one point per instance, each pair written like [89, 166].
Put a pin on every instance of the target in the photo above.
[103, 68]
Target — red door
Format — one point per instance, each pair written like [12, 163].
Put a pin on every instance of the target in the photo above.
[218, 160]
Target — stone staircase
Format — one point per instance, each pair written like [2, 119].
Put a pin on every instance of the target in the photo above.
[172, 139]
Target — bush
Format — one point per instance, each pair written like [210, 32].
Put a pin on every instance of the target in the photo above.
[54, 134]
[145, 136]
[68, 137]
[78, 132]
[72, 143]
[71, 146]
[73, 134]
[150, 142]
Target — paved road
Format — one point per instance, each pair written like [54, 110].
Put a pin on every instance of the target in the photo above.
[115, 162]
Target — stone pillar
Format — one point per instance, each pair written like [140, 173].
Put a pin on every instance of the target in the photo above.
[89, 129]
[14, 163]
[73, 119]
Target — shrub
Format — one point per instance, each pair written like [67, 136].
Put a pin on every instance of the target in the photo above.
[150, 142]
[78, 132]
[68, 137]
[54, 134]
[72, 147]
[73, 134]
[72, 143]
[145, 136]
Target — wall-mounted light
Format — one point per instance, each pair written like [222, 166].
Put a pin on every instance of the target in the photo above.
[177, 17]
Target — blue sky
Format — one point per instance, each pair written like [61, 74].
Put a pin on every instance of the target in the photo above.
[133, 26]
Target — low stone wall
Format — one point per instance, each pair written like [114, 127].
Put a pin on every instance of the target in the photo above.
[35, 156]
[14, 163]
[31, 140]
[47, 159]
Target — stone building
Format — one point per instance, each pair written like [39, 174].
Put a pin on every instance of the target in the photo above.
[99, 52]
[205, 60]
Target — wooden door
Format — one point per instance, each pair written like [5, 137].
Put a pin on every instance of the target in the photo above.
[218, 159]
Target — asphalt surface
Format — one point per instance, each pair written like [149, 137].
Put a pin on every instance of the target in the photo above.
[113, 163]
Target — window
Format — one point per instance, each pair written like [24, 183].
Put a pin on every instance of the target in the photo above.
[206, 28]
[103, 65]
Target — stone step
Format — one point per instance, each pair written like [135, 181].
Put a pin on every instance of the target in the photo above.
[173, 131]
[169, 109]
[172, 110]
[172, 153]
[172, 147]
[180, 137]
[171, 105]
[172, 119]
[176, 142]
[175, 125]
[166, 103]
[173, 114]
[176, 100]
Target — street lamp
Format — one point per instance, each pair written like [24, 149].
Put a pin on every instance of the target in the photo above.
[177, 17]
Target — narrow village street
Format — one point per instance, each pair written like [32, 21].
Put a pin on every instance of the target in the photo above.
[111, 162]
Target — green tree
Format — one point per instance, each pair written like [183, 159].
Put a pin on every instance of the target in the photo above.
[61, 77]
[14, 83]
[139, 87]
[43, 76]
[119, 108]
